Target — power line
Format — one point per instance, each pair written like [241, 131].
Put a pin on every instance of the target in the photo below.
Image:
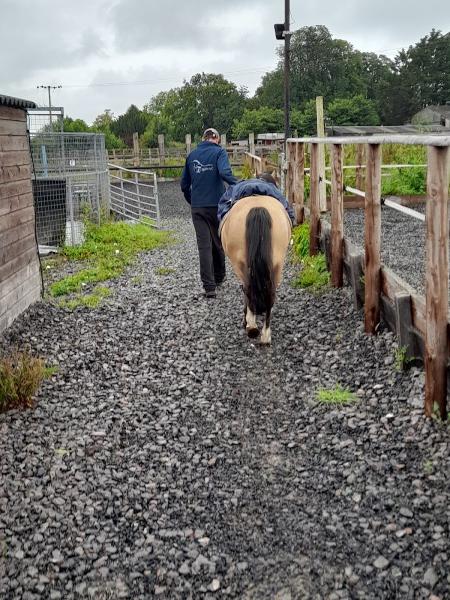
[49, 88]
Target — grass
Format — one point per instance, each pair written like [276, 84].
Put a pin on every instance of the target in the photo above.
[314, 274]
[107, 250]
[89, 300]
[21, 374]
[337, 395]
[300, 237]
[164, 271]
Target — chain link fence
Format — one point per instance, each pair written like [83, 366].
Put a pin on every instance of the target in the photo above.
[70, 180]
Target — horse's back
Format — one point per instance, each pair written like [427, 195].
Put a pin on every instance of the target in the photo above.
[234, 228]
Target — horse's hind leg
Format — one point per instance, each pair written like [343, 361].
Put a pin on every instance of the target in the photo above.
[266, 334]
[251, 326]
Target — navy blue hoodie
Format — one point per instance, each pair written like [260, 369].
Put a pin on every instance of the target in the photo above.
[206, 168]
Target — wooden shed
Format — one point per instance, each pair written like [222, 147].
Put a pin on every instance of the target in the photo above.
[20, 280]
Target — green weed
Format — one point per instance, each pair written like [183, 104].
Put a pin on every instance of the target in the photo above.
[401, 360]
[108, 249]
[314, 274]
[164, 271]
[89, 300]
[336, 395]
[300, 237]
[20, 377]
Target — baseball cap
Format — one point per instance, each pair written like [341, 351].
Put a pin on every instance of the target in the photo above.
[210, 132]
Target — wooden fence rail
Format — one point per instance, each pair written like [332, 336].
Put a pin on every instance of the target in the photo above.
[420, 323]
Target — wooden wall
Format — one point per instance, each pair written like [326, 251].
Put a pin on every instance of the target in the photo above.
[20, 282]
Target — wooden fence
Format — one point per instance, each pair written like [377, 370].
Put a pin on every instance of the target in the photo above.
[421, 323]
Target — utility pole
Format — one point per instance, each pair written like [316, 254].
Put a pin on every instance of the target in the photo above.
[287, 52]
[49, 88]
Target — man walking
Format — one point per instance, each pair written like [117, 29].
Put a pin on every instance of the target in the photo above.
[202, 183]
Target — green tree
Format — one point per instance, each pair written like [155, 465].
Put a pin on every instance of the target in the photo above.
[75, 125]
[423, 75]
[261, 120]
[134, 120]
[206, 100]
[352, 111]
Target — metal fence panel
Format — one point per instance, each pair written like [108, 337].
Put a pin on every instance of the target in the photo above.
[133, 197]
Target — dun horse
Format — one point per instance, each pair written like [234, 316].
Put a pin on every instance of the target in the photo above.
[255, 236]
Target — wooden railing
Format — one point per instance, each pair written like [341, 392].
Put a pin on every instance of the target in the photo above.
[382, 288]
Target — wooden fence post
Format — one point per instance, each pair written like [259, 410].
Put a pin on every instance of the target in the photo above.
[321, 133]
[162, 151]
[436, 281]
[188, 143]
[314, 201]
[372, 237]
[136, 157]
[251, 143]
[337, 216]
[299, 183]
[290, 172]
[359, 164]
[223, 140]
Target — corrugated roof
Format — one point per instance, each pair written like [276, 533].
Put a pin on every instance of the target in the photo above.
[386, 129]
[16, 102]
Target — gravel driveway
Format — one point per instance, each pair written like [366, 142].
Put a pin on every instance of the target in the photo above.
[170, 457]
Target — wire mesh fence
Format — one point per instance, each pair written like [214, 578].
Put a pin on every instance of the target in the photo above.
[71, 180]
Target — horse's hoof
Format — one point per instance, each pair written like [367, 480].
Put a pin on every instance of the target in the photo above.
[252, 332]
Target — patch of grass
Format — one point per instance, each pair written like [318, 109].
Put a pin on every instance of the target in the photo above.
[89, 300]
[164, 271]
[246, 171]
[314, 274]
[336, 395]
[50, 371]
[300, 238]
[21, 373]
[108, 249]
[137, 279]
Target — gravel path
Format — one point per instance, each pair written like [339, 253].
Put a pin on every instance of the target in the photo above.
[170, 457]
[402, 242]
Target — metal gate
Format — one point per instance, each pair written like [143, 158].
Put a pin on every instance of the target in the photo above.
[134, 195]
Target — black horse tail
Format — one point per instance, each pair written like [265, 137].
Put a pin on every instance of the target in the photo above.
[260, 284]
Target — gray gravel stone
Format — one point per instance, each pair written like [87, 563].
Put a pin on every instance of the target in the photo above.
[166, 427]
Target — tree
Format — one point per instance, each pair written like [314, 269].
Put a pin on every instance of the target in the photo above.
[261, 120]
[75, 125]
[270, 92]
[352, 111]
[206, 100]
[134, 120]
[424, 73]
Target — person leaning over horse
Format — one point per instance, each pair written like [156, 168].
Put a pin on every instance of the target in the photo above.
[263, 185]
[202, 183]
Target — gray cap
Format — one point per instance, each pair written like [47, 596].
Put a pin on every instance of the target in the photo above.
[210, 132]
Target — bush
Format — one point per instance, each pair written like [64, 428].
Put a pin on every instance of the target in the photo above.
[20, 377]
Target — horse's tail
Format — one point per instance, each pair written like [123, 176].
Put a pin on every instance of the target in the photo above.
[260, 284]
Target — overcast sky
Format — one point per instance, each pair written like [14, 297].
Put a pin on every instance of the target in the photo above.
[111, 53]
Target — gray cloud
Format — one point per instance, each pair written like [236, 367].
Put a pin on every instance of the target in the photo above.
[96, 41]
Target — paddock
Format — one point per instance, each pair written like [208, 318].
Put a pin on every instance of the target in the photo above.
[171, 457]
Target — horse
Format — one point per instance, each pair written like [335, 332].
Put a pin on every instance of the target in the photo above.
[255, 236]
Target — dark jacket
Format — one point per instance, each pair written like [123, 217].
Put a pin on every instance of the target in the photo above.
[206, 168]
[251, 187]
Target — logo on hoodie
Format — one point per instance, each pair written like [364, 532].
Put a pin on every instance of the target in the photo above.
[200, 167]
